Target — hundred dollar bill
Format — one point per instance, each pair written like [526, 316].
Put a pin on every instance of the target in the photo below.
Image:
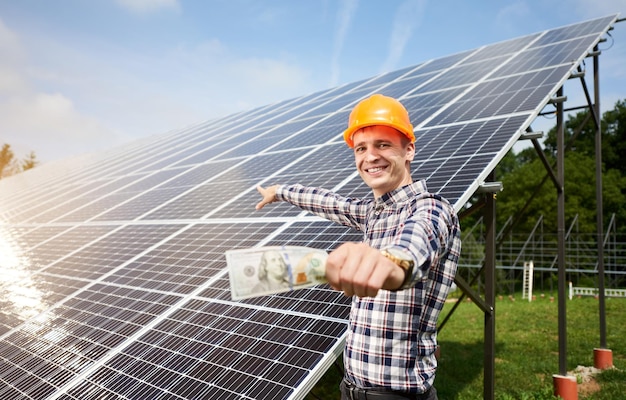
[274, 269]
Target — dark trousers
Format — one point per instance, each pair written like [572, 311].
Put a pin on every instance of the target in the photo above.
[350, 392]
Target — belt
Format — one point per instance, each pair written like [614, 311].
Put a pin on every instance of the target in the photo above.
[354, 392]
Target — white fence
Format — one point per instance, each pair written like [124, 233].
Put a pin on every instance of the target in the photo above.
[586, 291]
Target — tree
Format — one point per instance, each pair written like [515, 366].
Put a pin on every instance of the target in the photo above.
[614, 132]
[9, 165]
[580, 194]
[29, 162]
[527, 174]
[613, 136]
[7, 161]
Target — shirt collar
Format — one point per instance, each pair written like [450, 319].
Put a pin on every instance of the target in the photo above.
[403, 194]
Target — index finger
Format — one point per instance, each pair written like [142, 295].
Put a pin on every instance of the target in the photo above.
[268, 194]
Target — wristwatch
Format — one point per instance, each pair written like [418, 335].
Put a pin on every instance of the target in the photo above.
[401, 260]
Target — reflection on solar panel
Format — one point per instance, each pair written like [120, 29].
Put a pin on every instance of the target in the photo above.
[112, 269]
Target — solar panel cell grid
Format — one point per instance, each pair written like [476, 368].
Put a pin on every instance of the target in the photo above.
[442, 63]
[71, 347]
[65, 205]
[343, 89]
[503, 48]
[111, 251]
[283, 116]
[292, 128]
[334, 105]
[199, 157]
[390, 76]
[195, 203]
[21, 211]
[595, 26]
[250, 366]
[129, 208]
[149, 180]
[259, 167]
[319, 134]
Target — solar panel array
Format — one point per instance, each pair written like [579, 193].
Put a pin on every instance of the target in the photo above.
[112, 268]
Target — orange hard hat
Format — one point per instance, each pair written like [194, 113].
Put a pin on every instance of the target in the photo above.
[378, 110]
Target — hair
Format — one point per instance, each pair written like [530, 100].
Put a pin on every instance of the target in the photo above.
[404, 140]
[263, 265]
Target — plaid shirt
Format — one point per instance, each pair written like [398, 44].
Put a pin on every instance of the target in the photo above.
[392, 337]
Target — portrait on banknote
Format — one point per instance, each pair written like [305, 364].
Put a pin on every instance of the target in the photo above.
[274, 269]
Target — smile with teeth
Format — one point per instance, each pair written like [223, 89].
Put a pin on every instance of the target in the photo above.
[374, 170]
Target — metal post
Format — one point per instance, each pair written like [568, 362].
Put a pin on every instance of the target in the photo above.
[599, 217]
[560, 161]
[490, 296]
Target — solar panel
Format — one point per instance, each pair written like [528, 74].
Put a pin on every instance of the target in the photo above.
[112, 268]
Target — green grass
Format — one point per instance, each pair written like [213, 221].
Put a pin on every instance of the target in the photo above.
[526, 350]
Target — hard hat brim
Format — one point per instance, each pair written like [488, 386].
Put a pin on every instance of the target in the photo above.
[349, 133]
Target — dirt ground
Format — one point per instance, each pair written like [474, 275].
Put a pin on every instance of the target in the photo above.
[585, 376]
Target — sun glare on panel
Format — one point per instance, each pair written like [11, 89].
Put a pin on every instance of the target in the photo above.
[23, 298]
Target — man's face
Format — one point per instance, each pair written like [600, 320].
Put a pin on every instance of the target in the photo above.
[275, 266]
[381, 158]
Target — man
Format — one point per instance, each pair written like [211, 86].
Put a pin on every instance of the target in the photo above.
[400, 275]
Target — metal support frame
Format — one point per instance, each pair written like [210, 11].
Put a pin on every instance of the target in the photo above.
[599, 214]
[487, 204]
[560, 181]
[490, 296]
[487, 306]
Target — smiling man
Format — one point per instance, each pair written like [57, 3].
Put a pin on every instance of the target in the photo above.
[400, 274]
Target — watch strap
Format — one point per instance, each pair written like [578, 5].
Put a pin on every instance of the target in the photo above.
[405, 264]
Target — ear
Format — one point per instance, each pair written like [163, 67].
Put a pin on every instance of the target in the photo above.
[410, 151]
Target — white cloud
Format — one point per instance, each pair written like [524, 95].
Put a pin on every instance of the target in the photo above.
[50, 113]
[149, 6]
[408, 17]
[226, 83]
[11, 80]
[9, 43]
[347, 9]
[267, 74]
[108, 95]
[35, 120]
[50, 124]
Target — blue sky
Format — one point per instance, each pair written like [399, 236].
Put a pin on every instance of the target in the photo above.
[79, 76]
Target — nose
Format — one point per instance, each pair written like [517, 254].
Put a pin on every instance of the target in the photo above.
[371, 153]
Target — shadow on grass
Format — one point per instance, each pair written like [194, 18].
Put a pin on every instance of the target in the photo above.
[460, 366]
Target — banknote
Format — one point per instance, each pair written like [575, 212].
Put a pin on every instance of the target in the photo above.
[274, 269]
